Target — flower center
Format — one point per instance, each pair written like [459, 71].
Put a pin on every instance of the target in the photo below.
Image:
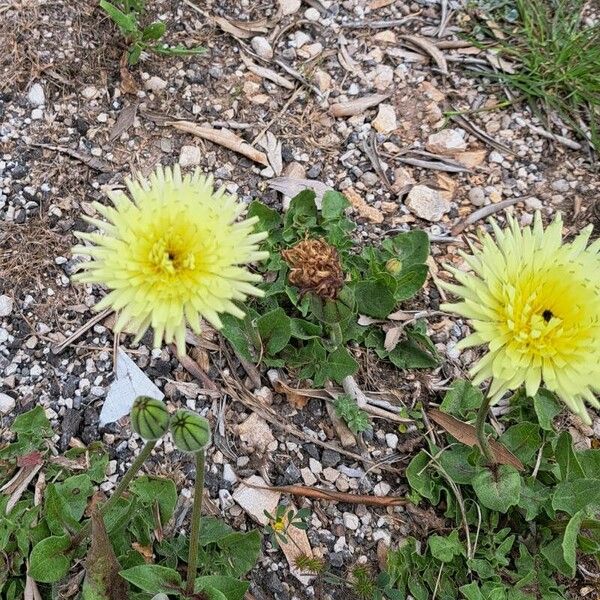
[166, 258]
[547, 315]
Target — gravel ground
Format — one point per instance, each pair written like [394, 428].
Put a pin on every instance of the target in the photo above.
[73, 123]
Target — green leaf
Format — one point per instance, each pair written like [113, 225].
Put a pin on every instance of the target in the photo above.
[554, 554]
[410, 281]
[569, 543]
[153, 578]
[268, 218]
[242, 551]
[231, 588]
[498, 489]
[566, 457]
[57, 512]
[33, 423]
[305, 330]
[241, 334]
[127, 23]
[416, 352]
[333, 206]
[590, 463]
[275, 329]
[154, 31]
[134, 54]
[534, 495]
[337, 365]
[462, 399]
[48, 561]
[471, 591]
[420, 478]
[445, 548]
[302, 212]
[546, 408]
[411, 247]
[523, 440]
[76, 490]
[375, 297]
[178, 50]
[151, 490]
[212, 530]
[455, 462]
[574, 496]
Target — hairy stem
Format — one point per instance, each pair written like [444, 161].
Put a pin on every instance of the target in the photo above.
[482, 414]
[136, 465]
[192, 563]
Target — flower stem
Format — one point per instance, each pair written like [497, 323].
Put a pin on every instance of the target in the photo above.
[482, 414]
[192, 563]
[136, 465]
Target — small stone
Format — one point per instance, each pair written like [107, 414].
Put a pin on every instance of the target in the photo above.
[385, 121]
[340, 544]
[255, 432]
[155, 84]
[533, 203]
[312, 14]
[229, 474]
[289, 7]
[6, 306]
[255, 500]
[37, 114]
[6, 403]
[351, 521]
[292, 474]
[315, 466]
[190, 156]
[36, 371]
[382, 76]
[402, 179]
[323, 80]
[447, 141]
[477, 196]
[262, 47]
[496, 157]
[301, 38]
[560, 185]
[427, 203]
[307, 476]
[391, 439]
[330, 458]
[385, 37]
[89, 92]
[330, 474]
[382, 489]
[36, 96]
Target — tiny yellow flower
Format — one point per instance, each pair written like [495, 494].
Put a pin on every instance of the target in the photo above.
[171, 253]
[278, 526]
[535, 303]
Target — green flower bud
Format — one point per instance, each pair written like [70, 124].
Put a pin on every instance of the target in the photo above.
[393, 266]
[190, 431]
[149, 418]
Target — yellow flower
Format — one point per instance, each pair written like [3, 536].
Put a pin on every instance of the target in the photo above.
[535, 303]
[171, 254]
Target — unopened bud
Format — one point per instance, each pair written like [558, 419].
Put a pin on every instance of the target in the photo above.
[190, 431]
[149, 418]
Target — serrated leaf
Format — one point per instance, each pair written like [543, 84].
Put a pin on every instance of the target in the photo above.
[76, 490]
[302, 212]
[534, 495]
[127, 23]
[445, 548]
[410, 281]
[33, 422]
[498, 489]
[305, 330]
[275, 330]
[154, 31]
[546, 408]
[411, 247]
[49, 561]
[338, 364]
[153, 578]
[241, 551]
[212, 530]
[333, 206]
[461, 399]
[576, 495]
[241, 335]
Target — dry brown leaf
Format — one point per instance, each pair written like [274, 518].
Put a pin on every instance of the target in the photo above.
[346, 437]
[232, 29]
[295, 397]
[38, 492]
[357, 106]
[272, 146]
[145, 551]
[18, 484]
[467, 435]
[400, 315]
[128, 83]
[296, 545]
[436, 54]
[223, 137]
[31, 589]
[124, 121]
[500, 63]
[335, 496]
[472, 158]
[292, 186]
[268, 74]
[366, 321]
[192, 367]
[392, 337]
[362, 208]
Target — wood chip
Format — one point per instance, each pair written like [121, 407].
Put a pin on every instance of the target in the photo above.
[362, 208]
[224, 138]
[268, 74]
[357, 106]
[124, 121]
[466, 434]
[430, 48]
[87, 159]
[347, 439]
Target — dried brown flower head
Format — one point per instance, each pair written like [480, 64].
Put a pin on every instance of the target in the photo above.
[315, 267]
